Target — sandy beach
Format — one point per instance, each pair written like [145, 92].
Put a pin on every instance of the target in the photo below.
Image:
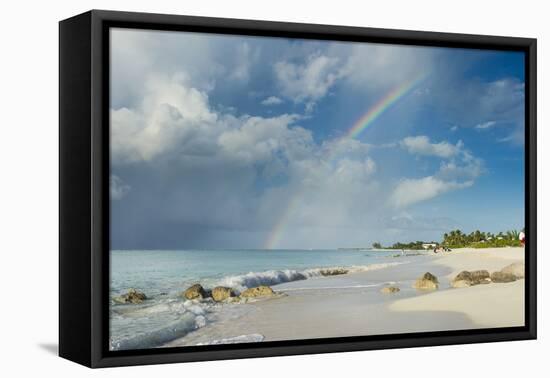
[493, 305]
[352, 304]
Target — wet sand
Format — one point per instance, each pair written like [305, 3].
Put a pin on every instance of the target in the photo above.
[351, 304]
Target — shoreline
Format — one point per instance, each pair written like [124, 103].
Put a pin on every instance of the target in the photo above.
[352, 305]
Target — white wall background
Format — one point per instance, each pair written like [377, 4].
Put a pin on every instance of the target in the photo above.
[29, 186]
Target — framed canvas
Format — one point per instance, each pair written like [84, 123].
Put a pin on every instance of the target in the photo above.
[234, 188]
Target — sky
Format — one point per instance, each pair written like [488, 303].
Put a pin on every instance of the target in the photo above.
[222, 141]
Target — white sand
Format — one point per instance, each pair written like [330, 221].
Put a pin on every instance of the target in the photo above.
[491, 259]
[310, 310]
[493, 305]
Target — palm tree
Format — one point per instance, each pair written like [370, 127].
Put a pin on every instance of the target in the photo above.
[477, 236]
[512, 235]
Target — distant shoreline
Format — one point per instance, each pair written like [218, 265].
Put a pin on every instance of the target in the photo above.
[350, 249]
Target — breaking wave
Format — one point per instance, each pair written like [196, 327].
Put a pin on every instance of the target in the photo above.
[172, 320]
[162, 319]
[273, 277]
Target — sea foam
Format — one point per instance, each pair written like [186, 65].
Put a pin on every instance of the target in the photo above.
[174, 319]
[164, 318]
[252, 338]
[273, 277]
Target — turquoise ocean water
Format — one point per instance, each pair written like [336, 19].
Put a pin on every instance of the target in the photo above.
[164, 275]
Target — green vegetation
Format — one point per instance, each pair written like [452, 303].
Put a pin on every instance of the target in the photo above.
[411, 245]
[458, 239]
[478, 239]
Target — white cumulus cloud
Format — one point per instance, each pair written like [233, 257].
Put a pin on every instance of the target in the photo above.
[272, 100]
[170, 113]
[377, 67]
[411, 191]
[239, 171]
[421, 145]
[462, 169]
[309, 81]
[458, 169]
[485, 125]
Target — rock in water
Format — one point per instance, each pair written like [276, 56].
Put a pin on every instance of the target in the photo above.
[195, 292]
[389, 290]
[132, 296]
[260, 291]
[501, 277]
[427, 282]
[476, 277]
[517, 269]
[221, 293]
[135, 296]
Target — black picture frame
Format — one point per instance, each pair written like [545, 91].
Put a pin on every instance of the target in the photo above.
[84, 188]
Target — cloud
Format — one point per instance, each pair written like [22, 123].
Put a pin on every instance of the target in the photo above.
[485, 125]
[516, 137]
[348, 170]
[234, 173]
[411, 191]
[346, 147]
[310, 80]
[117, 187]
[245, 57]
[378, 67]
[258, 140]
[227, 174]
[458, 170]
[466, 168]
[498, 105]
[367, 68]
[420, 145]
[272, 100]
[503, 97]
[206, 171]
[139, 53]
[458, 164]
[406, 221]
[210, 62]
[171, 113]
[175, 119]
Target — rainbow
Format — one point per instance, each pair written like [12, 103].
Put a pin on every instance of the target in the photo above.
[382, 105]
[277, 231]
[358, 127]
